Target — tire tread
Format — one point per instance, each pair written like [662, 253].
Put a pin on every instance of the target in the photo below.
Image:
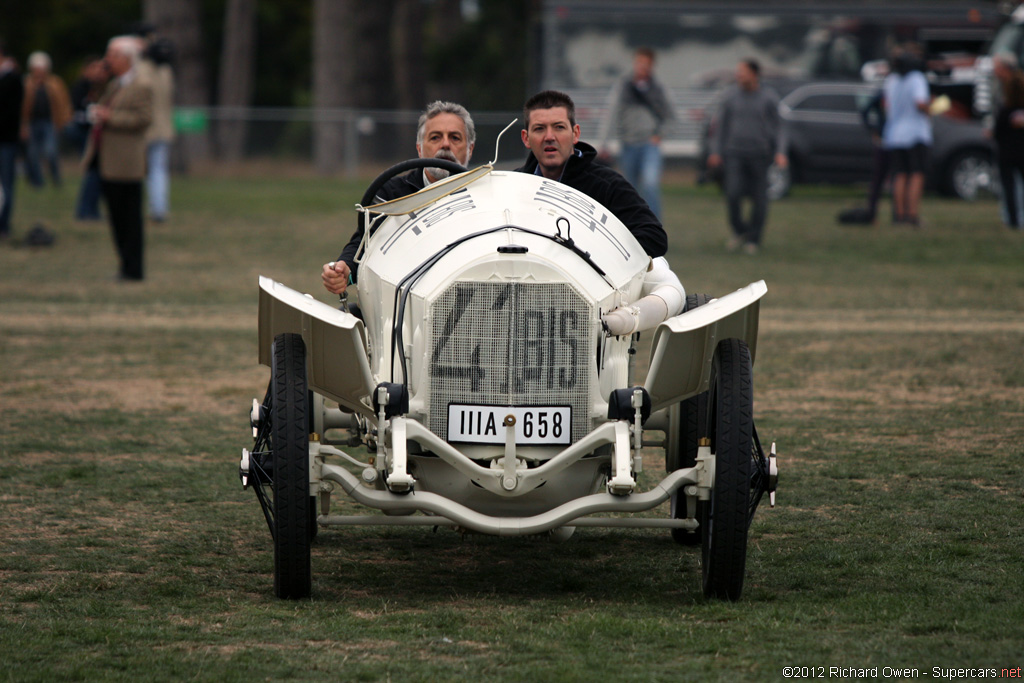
[290, 442]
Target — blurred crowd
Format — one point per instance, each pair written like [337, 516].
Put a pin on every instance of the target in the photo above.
[117, 115]
[899, 120]
[119, 120]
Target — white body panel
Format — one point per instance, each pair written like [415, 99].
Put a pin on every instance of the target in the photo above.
[542, 303]
[684, 345]
[335, 343]
[498, 199]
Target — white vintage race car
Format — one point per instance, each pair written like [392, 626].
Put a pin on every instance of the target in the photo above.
[488, 375]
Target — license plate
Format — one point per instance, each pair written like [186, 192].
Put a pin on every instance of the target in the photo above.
[535, 425]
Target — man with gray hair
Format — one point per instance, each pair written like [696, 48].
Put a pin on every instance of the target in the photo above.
[117, 146]
[445, 131]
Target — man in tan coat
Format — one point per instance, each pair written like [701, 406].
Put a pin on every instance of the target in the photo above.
[118, 147]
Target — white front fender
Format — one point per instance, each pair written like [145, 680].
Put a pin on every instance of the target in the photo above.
[684, 346]
[336, 360]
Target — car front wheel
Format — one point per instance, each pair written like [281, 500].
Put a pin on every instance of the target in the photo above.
[725, 518]
[290, 446]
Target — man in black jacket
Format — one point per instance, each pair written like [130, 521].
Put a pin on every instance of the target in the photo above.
[748, 138]
[12, 91]
[446, 131]
[556, 153]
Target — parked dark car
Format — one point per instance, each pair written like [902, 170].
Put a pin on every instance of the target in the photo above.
[828, 143]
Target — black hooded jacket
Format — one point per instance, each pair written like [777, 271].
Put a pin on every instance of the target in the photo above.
[608, 188]
[12, 90]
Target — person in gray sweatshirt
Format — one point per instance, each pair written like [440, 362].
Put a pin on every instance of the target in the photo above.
[638, 114]
[748, 138]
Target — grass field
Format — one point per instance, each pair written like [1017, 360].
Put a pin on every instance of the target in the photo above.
[890, 370]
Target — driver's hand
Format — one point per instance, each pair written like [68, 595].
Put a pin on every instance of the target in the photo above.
[335, 276]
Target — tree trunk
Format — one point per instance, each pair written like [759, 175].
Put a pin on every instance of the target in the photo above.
[446, 21]
[445, 24]
[330, 19]
[179, 20]
[410, 73]
[237, 65]
[351, 70]
[407, 49]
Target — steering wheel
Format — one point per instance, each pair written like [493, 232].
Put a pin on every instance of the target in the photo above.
[404, 166]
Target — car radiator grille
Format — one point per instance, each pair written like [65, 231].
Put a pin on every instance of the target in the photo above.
[510, 344]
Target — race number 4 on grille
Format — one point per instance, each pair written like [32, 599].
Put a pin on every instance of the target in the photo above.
[515, 348]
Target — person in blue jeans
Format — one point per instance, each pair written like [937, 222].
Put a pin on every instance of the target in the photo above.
[638, 114]
[84, 92]
[44, 112]
[12, 92]
[156, 68]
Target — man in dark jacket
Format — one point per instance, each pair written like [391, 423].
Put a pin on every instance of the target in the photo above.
[12, 92]
[1008, 134]
[749, 137]
[556, 153]
[446, 131]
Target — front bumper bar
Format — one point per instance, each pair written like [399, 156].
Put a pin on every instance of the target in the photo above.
[442, 511]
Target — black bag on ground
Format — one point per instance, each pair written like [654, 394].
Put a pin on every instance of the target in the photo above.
[39, 236]
[856, 215]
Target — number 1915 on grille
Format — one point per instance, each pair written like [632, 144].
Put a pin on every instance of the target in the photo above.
[535, 425]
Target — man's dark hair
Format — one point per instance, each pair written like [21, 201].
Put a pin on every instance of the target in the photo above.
[549, 99]
[646, 52]
[3, 48]
[753, 65]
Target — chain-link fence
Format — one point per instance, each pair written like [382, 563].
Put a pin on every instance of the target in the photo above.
[350, 140]
[333, 140]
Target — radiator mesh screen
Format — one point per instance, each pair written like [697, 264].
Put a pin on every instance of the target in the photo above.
[514, 344]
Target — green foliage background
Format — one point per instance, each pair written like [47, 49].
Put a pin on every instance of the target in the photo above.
[489, 51]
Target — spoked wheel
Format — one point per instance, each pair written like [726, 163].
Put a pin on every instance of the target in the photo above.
[289, 434]
[725, 518]
[689, 424]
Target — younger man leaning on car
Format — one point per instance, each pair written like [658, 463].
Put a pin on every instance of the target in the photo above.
[556, 152]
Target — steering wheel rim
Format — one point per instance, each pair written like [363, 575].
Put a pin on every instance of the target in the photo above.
[404, 166]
